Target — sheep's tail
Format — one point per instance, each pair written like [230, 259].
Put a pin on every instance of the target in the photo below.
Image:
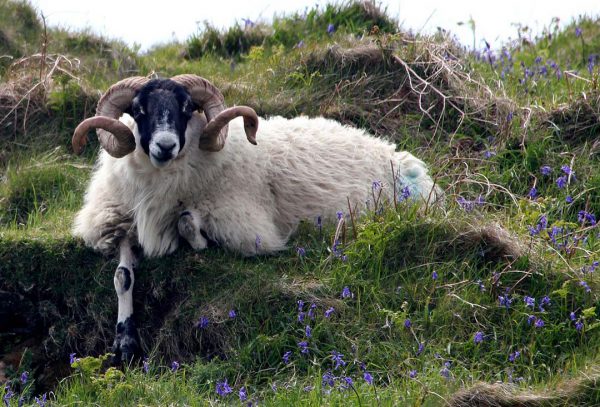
[584, 391]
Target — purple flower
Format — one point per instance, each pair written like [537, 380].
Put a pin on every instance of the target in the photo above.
[569, 199]
[567, 170]
[445, 372]
[578, 32]
[339, 215]
[232, 314]
[434, 275]
[407, 323]
[329, 311]
[301, 316]
[330, 29]
[303, 345]
[8, 393]
[404, 193]
[300, 305]
[376, 185]
[223, 388]
[242, 394]
[489, 154]
[481, 285]
[41, 401]
[300, 251]
[286, 357]
[561, 181]
[531, 319]
[368, 378]
[300, 44]
[513, 356]
[509, 117]
[24, 377]
[539, 323]
[584, 216]
[311, 311]
[532, 193]
[546, 170]
[202, 322]
[72, 358]
[308, 389]
[145, 365]
[579, 326]
[545, 301]
[307, 331]
[529, 301]
[328, 379]
[174, 366]
[505, 301]
[412, 374]
[585, 286]
[346, 293]
[478, 337]
[336, 357]
[572, 316]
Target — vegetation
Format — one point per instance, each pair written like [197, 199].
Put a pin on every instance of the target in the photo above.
[493, 296]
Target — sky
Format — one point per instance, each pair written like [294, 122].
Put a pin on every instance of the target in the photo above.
[148, 23]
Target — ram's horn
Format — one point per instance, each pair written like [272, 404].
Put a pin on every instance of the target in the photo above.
[111, 133]
[210, 99]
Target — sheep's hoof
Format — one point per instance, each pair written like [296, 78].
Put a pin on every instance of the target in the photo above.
[190, 231]
[126, 347]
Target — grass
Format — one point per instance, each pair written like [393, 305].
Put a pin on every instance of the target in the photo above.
[440, 279]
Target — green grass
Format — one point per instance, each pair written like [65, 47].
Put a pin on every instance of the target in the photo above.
[58, 298]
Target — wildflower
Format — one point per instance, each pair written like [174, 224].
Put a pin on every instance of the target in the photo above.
[24, 377]
[368, 378]
[339, 215]
[505, 301]
[223, 388]
[174, 366]
[578, 32]
[478, 337]
[202, 322]
[531, 319]
[546, 170]
[579, 326]
[420, 348]
[561, 181]
[529, 301]
[434, 275]
[509, 117]
[308, 389]
[346, 293]
[585, 286]
[349, 381]
[300, 305]
[489, 154]
[242, 394]
[404, 193]
[329, 311]
[584, 216]
[376, 185]
[407, 323]
[328, 379]
[311, 311]
[572, 316]
[41, 401]
[308, 331]
[412, 374]
[445, 372]
[301, 316]
[145, 365]
[569, 199]
[591, 64]
[8, 393]
[513, 356]
[286, 357]
[72, 358]
[336, 357]
[539, 323]
[303, 345]
[567, 170]
[532, 193]
[300, 44]
[232, 314]
[330, 29]
[544, 302]
[300, 251]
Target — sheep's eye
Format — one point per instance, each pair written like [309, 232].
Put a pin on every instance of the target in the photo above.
[138, 112]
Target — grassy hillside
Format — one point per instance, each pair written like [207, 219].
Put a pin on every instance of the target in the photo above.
[491, 298]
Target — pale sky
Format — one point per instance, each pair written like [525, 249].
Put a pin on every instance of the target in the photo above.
[147, 23]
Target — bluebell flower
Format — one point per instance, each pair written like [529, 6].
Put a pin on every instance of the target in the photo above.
[513, 356]
[368, 378]
[569, 199]
[300, 305]
[300, 44]
[434, 275]
[72, 358]
[41, 402]
[420, 348]
[346, 293]
[531, 319]
[330, 29]
[223, 388]
[242, 394]
[307, 331]
[407, 323]
[301, 251]
[349, 381]
[145, 365]
[301, 316]
[478, 337]
[336, 357]
[311, 311]
[329, 311]
[578, 32]
[572, 316]
[24, 377]
[585, 286]
[579, 326]
[561, 181]
[8, 394]
[445, 372]
[505, 301]
[328, 379]
[489, 154]
[339, 215]
[286, 357]
[202, 322]
[232, 314]
[532, 193]
[174, 366]
[376, 185]
[539, 323]
[545, 301]
[412, 374]
[529, 301]
[303, 345]
[308, 389]
[546, 170]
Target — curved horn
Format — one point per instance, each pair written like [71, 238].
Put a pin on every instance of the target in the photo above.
[119, 143]
[210, 99]
[213, 128]
[111, 106]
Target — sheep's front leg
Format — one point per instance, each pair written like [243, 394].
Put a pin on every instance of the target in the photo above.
[189, 229]
[127, 342]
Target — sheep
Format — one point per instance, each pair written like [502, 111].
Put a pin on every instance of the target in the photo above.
[152, 184]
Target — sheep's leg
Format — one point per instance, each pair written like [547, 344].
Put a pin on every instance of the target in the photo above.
[127, 341]
[189, 229]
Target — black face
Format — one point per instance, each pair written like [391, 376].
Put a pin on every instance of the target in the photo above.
[162, 109]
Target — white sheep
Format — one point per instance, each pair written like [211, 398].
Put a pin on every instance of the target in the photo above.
[247, 198]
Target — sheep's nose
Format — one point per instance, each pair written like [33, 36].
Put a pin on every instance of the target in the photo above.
[165, 146]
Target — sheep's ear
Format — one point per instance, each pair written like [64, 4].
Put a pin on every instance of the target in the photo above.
[136, 109]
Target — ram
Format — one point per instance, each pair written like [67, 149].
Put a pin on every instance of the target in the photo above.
[166, 171]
